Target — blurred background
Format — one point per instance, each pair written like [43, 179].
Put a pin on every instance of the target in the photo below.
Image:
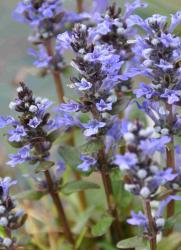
[16, 65]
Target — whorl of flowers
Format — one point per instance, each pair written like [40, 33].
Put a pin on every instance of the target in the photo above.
[46, 18]
[98, 68]
[159, 52]
[30, 130]
[143, 175]
[9, 219]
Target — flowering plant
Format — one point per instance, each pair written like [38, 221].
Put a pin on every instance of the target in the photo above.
[107, 158]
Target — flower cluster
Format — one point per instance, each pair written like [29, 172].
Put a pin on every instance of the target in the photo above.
[46, 18]
[159, 52]
[48, 62]
[99, 72]
[9, 219]
[116, 29]
[30, 132]
[143, 175]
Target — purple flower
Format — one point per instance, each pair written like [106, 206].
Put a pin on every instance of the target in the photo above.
[71, 106]
[99, 5]
[92, 127]
[114, 134]
[88, 162]
[173, 96]
[5, 184]
[126, 161]
[83, 85]
[175, 20]
[144, 90]
[103, 106]
[34, 123]
[41, 55]
[138, 219]
[64, 40]
[164, 176]
[165, 202]
[22, 156]
[60, 169]
[131, 7]
[151, 145]
[17, 134]
[5, 121]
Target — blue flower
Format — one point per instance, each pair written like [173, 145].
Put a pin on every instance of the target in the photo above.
[60, 169]
[5, 121]
[88, 162]
[17, 134]
[83, 85]
[103, 106]
[22, 156]
[64, 40]
[144, 90]
[92, 127]
[175, 20]
[34, 123]
[165, 202]
[42, 57]
[165, 176]
[126, 161]
[71, 106]
[173, 96]
[99, 5]
[5, 184]
[138, 219]
[151, 145]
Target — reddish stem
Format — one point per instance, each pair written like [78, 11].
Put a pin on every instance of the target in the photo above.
[60, 94]
[56, 75]
[170, 154]
[79, 6]
[151, 224]
[60, 210]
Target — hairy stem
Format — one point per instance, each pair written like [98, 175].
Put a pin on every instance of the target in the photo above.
[60, 210]
[151, 224]
[60, 95]
[170, 154]
[116, 231]
[56, 75]
[79, 6]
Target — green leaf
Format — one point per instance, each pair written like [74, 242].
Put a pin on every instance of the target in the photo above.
[106, 246]
[120, 105]
[77, 186]
[171, 242]
[172, 220]
[30, 195]
[71, 155]
[91, 147]
[2, 232]
[137, 242]
[82, 219]
[43, 166]
[15, 144]
[53, 136]
[102, 226]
